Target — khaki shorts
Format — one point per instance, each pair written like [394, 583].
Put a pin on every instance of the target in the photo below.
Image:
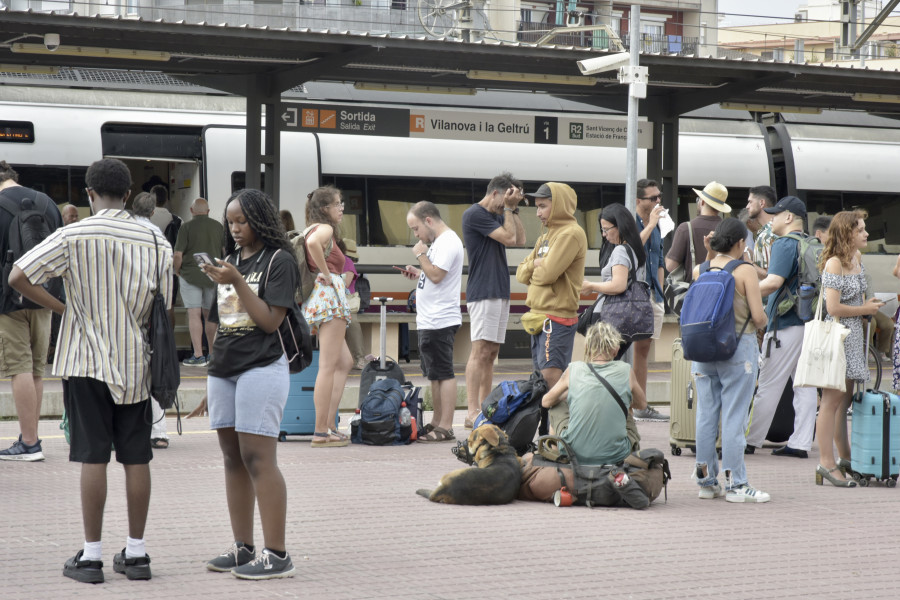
[659, 311]
[489, 319]
[24, 340]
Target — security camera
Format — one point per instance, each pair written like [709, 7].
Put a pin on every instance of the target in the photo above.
[51, 41]
[601, 64]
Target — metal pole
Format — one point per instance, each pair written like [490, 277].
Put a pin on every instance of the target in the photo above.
[632, 135]
[862, 49]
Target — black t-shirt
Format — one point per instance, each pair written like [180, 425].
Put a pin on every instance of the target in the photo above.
[488, 271]
[240, 345]
[17, 193]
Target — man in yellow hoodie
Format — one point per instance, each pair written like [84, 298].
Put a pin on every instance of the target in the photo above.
[553, 272]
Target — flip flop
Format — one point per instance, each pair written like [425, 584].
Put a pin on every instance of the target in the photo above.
[159, 443]
[325, 440]
[437, 434]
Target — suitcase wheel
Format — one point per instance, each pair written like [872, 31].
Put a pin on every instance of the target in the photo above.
[282, 436]
[891, 483]
[676, 451]
[863, 482]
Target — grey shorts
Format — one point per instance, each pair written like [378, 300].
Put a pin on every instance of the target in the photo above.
[489, 318]
[193, 296]
[436, 352]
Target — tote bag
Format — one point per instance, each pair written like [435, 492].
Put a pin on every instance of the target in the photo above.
[630, 312]
[822, 361]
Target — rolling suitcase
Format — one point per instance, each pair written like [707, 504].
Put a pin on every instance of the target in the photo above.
[875, 437]
[682, 405]
[299, 416]
[382, 367]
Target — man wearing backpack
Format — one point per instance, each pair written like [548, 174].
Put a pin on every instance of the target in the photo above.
[112, 266]
[24, 327]
[784, 336]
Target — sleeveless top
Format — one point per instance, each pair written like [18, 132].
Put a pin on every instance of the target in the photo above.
[335, 259]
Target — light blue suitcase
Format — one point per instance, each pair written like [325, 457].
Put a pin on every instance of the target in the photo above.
[299, 416]
[875, 438]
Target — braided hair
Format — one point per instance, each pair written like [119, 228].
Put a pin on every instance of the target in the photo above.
[264, 220]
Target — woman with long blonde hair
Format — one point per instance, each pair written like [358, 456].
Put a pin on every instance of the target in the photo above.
[844, 283]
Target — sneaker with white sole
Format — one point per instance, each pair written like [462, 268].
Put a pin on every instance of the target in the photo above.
[239, 554]
[22, 451]
[650, 414]
[266, 566]
[709, 492]
[745, 493]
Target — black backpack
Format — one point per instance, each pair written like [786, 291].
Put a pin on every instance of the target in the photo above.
[365, 293]
[379, 413]
[165, 372]
[28, 228]
[522, 413]
[172, 229]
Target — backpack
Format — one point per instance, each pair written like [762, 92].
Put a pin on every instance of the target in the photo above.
[28, 228]
[515, 407]
[365, 293]
[808, 278]
[165, 372]
[293, 333]
[707, 316]
[172, 229]
[307, 276]
[379, 413]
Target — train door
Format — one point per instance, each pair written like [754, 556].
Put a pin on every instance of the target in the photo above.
[168, 155]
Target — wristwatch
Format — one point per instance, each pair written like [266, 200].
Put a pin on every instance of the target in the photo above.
[514, 211]
[420, 254]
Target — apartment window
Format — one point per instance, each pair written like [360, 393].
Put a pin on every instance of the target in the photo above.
[398, 4]
[525, 15]
[829, 54]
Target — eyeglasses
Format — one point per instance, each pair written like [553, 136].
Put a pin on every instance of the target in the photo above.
[655, 198]
[337, 205]
[607, 229]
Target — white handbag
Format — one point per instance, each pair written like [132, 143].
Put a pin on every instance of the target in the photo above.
[822, 362]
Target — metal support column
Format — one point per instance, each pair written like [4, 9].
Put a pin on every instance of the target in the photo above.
[253, 143]
[632, 136]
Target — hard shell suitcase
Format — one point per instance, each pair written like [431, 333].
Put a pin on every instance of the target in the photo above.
[683, 404]
[299, 417]
[875, 437]
[382, 367]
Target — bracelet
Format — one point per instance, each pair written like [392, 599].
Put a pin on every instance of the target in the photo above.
[514, 211]
[419, 254]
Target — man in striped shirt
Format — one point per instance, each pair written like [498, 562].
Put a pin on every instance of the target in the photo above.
[111, 266]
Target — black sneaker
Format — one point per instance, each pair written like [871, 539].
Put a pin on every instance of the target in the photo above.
[266, 566]
[85, 571]
[133, 568]
[239, 554]
[22, 451]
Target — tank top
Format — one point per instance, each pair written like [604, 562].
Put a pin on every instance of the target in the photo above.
[335, 259]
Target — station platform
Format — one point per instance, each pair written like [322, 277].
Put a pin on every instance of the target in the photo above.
[356, 530]
[193, 386]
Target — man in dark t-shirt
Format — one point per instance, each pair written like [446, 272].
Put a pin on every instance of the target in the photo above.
[489, 226]
[711, 204]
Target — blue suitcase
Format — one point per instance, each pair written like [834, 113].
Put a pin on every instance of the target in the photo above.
[300, 413]
[875, 439]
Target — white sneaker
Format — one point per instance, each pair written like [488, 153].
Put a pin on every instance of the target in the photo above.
[709, 492]
[745, 493]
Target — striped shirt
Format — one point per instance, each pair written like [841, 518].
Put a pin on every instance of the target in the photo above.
[109, 265]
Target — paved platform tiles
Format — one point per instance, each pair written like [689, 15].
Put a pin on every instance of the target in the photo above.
[356, 530]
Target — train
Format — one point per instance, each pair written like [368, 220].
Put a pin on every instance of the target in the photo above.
[387, 150]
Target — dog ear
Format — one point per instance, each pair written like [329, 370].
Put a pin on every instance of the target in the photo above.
[491, 435]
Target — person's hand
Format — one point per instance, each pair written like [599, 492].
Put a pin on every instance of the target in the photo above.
[897, 268]
[222, 272]
[200, 411]
[512, 197]
[706, 245]
[420, 248]
[537, 262]
[587, 288]
[655, 214]
[872, 306]
[410, 272]
[324, 279]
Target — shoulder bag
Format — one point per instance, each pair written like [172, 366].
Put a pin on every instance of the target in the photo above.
[293, 333]
[630, 312]
[679, 280]
[822, 361]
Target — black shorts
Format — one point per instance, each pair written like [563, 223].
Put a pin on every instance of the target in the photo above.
[436, 352]
[96, 423]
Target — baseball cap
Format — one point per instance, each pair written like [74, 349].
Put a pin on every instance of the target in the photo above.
[542, 192]
[792, 204]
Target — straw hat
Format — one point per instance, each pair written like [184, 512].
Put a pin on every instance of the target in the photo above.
[715, 194]
[351, 248]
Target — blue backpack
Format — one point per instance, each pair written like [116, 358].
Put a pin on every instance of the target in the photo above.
[379, 413]
[707, 317]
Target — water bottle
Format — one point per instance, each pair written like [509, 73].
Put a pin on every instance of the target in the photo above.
[806, 303]
[354, 423]
[405, 416]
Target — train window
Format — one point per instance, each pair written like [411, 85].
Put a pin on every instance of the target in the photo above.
[880, 209]
[17, 132]
[62, 184]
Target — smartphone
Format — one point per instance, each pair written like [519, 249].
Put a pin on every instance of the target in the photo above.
[885, 296]
[405, 271]
[203, 258]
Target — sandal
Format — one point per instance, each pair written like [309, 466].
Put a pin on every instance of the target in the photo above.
[336, 433]
[438, 434]
[469, 423]
[159, 443]
[327, 440]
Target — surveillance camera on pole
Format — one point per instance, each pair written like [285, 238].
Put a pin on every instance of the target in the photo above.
[601, 64]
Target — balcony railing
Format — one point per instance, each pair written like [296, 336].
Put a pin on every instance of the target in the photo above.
[668, 44]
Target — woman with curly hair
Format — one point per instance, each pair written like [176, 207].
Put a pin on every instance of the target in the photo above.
[327, 311]
[248, 380]
[844, 282]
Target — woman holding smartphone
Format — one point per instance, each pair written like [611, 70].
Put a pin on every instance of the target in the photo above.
[327, 311]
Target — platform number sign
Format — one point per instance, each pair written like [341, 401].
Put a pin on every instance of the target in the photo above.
[576, 131]
[545, 129]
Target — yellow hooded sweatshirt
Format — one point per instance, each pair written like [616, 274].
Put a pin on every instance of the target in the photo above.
[555, 286]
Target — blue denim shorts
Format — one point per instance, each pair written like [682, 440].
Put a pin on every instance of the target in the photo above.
[552, 347]
[252, 402]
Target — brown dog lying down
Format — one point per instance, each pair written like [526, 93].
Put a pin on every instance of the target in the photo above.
[496, 478]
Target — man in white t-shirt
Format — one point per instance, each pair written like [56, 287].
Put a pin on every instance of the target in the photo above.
[439, 278]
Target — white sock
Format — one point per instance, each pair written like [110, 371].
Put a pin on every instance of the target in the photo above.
[135, 548]
[92, 551]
